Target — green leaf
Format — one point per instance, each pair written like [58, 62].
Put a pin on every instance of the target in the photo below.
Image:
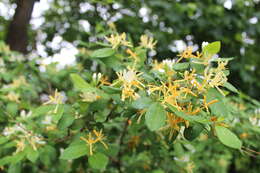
[12, 108]
[3, 140]
[228, 138]
[219, 108]
[66, 121]
[6, 160]
[32, 154]
[102, 53]
[181, 66]
[75, 151]
[110, 89]
[58, 115]
[212, 48]
[42, 110]
[98, 161]
[193, 131]
[230, 87]
[142, 102]
[80, 83]
[155, 117]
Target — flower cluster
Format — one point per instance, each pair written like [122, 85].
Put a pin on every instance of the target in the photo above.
[92, 138]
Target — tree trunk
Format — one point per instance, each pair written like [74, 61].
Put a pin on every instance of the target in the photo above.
[17, 36]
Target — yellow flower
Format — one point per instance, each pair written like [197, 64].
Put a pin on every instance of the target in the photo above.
[112, 26]
[130, 80]
[189, 167]
[19, 82]
[90, 141]
[147, 42]
[158, 66]
[206, 105]
[172, 124]
[89, 96]
[20, 145]
[133, 55]
[100, 137]
[128, 92]
[104, 80]
[55, 99]
[215, 78]
[188, 53]
[13, 97]
[116, 40]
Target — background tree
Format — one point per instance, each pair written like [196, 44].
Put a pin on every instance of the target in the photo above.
[172, 23]
[17, 35]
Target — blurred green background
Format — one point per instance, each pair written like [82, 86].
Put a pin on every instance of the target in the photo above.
[57, 24]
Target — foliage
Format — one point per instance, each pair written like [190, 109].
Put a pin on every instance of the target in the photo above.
[127, 113]
[169, 22]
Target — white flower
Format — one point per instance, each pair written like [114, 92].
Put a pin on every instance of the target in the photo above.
[47, 120]
[129, 76]
[161, 70]
[204, 43]
[25, 115]
[253, 120]
[8, 131]
[96, 77]
[169, 62]
[38, 139]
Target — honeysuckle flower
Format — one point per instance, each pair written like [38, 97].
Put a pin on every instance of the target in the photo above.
[24, 115]
[133, 55]
[100, 137]
[89, 96]
[147, 42]
[118, 39]
[96, 77]
[206, 104]
[128, 92]
[253, 120]
[21, 81]
[169, 63]
[91, 140]
[204, 43]
[13, 97]
[20, 145]
[158, 66]
[130, 79]
[8, 131]
[57, 99]
[172, 124]
[188, 53]
[104, 80]
[47, 120]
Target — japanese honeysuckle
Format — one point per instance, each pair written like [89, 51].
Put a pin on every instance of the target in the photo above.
[147, 109]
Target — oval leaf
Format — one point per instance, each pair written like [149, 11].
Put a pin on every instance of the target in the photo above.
[228, 138]
[74, 151]
[212, 48]
[155, 116]
[98, 161]
[102, 53]
[79, 83]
